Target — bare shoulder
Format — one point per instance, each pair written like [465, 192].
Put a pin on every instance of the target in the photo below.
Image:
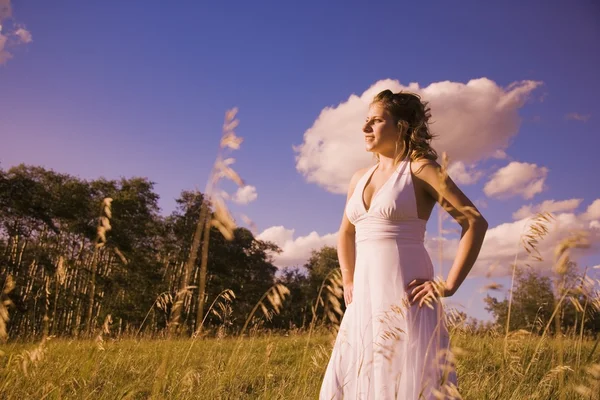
[430, 175]
[355, 178]
[425, 168]
[358, 174]
[436, 181]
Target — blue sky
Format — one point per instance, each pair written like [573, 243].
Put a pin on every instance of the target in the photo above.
[140, 89]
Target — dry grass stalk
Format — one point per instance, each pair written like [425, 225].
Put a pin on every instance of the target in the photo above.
[491, 286]
[552, 375]
[182, 302]
[162, 302]
[439, 287]
[250, 223]
[28, 359]
[561, 267]
[578, 240]
[101, 230]
[562, 250]
[105, 330]
[61, 272]
[591, 390]
[5, 302]
[537, 230]
[329, 295]
[223, 302]
[275, 297]
[222, 219]
[59, 280]
[104, 222]
[332, 306]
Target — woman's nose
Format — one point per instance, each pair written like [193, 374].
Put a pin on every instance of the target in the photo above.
[367, 128]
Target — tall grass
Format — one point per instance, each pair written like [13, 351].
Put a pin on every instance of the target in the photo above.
[266, 366]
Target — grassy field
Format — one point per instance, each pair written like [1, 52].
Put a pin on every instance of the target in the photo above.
[275, 367]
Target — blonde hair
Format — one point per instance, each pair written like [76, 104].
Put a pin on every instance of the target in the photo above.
[412, 118]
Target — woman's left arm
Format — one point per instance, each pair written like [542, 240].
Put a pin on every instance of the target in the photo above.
[474, 227]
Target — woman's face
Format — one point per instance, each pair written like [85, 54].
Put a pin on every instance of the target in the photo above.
[381, 131]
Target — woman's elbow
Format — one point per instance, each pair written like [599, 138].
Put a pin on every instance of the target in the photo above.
[481, 223]
[475, 222]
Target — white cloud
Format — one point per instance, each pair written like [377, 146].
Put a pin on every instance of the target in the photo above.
[503, 241]
[245, 195]
[463, 175]
[593, 211]
[499, 154]
[24, 35]
[473, 121]
[480, 203]
[295, 251]
[578, 117]
[547, 206]
[517, 178]
[10, 37]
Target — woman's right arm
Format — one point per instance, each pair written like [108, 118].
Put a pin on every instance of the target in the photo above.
[345, 245]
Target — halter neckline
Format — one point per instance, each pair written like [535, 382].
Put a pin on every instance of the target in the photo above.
[370, 175]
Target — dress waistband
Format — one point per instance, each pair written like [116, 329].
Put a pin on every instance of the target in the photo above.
[406, 230]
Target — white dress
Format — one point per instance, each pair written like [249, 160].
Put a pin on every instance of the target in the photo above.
[386, 348]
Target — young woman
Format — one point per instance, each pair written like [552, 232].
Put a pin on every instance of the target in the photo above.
[393, 342]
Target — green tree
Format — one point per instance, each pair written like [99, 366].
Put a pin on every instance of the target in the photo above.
[532, 302]
[535, 299]
[297, 313]
[320, 264]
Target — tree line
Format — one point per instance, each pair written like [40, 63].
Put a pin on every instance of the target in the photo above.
[76, 254]
[64, 284]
